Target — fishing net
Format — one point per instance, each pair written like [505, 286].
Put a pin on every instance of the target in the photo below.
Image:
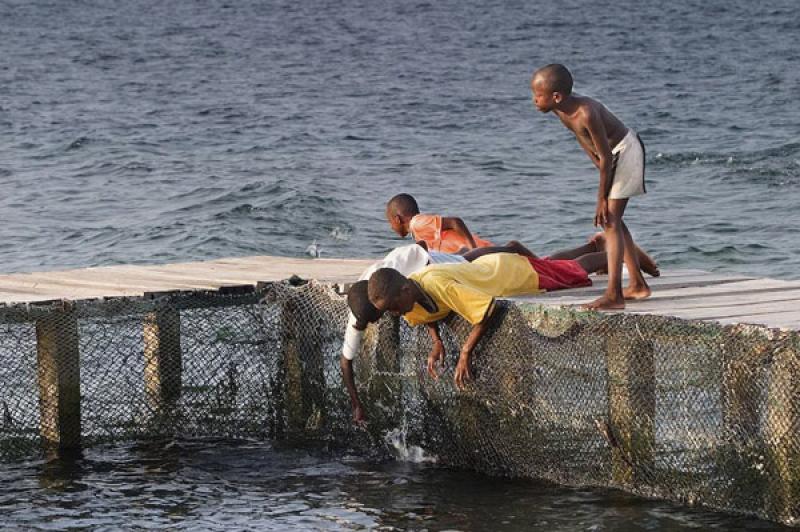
[692, 412]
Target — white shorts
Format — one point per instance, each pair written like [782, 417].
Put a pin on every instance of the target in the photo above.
[628, 170]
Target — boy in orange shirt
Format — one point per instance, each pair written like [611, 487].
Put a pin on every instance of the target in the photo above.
[446, 234]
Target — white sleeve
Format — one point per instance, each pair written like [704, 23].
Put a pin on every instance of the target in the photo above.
[352, 339]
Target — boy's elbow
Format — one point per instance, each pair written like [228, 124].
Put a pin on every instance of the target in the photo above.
[452, 222]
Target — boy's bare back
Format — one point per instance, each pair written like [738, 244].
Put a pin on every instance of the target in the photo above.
[583, 121]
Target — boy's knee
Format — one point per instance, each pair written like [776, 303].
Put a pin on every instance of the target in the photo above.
[613, 222]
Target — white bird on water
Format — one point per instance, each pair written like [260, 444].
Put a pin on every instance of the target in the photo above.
[314, 249]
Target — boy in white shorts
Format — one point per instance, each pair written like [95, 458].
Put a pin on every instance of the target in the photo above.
[619, 155]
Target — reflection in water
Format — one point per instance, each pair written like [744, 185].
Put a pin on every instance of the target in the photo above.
[224, 485]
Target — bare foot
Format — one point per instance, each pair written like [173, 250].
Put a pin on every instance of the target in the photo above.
[599, 241]
[647, 263]
[636, 292]
[605, 303]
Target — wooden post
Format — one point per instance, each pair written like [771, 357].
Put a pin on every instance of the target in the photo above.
[739, 454]
[58, 367]
[747, 349]
[782, 429]
[162, 357]
[293, 370]
[632, 406]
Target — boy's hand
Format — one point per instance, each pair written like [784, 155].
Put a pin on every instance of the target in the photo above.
[601, 213]
[359, 417]
[436, 356]
[463, 375]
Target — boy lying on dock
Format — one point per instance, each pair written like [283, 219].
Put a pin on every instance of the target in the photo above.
[564, 269]
[449, 235]
[469, 290]
[445, 234]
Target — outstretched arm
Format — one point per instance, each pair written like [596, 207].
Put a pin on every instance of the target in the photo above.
[436, 356]
[453, 223]
[349, 381]
[463, 373]
[604, 161]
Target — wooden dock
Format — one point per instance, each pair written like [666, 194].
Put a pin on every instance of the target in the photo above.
[688, 294]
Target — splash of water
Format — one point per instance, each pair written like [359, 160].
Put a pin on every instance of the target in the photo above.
[395, 439]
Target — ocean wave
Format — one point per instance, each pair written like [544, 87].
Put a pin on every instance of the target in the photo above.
[788, 151]
[78, 143]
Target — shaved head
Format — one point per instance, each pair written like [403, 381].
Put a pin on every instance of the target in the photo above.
[385, 285]
[403, 205]
[358, 301]
[554, 78]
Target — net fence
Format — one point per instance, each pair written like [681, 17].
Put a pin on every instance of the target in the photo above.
[693, 412]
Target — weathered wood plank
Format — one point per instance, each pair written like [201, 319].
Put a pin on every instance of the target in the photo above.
[658, 284]
[781, 320]
[664, 293]
[693, 294]
[125, 280]
[728, 301]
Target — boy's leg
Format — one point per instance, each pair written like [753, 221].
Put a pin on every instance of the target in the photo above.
[647, 263]
[615, 250]
[593, 262]
[574, 253]
[637, 286]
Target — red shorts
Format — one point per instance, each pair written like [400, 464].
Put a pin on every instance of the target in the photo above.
[559, 274]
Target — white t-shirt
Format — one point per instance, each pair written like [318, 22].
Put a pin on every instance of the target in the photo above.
[406, 260]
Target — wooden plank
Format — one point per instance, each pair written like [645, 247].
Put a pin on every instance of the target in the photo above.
[657, 284]
[115, 282]
[773, 319]
[65, 290]
[730, 301]
[750, 286]
[583, 295]
[703, 313]
[693, 294]
[779, 320]
[124, 280]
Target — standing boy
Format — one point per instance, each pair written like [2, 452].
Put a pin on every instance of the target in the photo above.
[618, 153]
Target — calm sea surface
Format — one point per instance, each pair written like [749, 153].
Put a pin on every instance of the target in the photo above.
[252, 486]
[144, 132]
[165, 131]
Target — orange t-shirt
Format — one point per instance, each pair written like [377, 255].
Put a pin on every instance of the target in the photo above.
[428, 227]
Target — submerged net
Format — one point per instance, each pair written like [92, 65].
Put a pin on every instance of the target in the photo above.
[692, 412]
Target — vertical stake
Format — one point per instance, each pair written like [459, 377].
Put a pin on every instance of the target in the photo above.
[632, 406]
[58, 368]
[162, 357]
